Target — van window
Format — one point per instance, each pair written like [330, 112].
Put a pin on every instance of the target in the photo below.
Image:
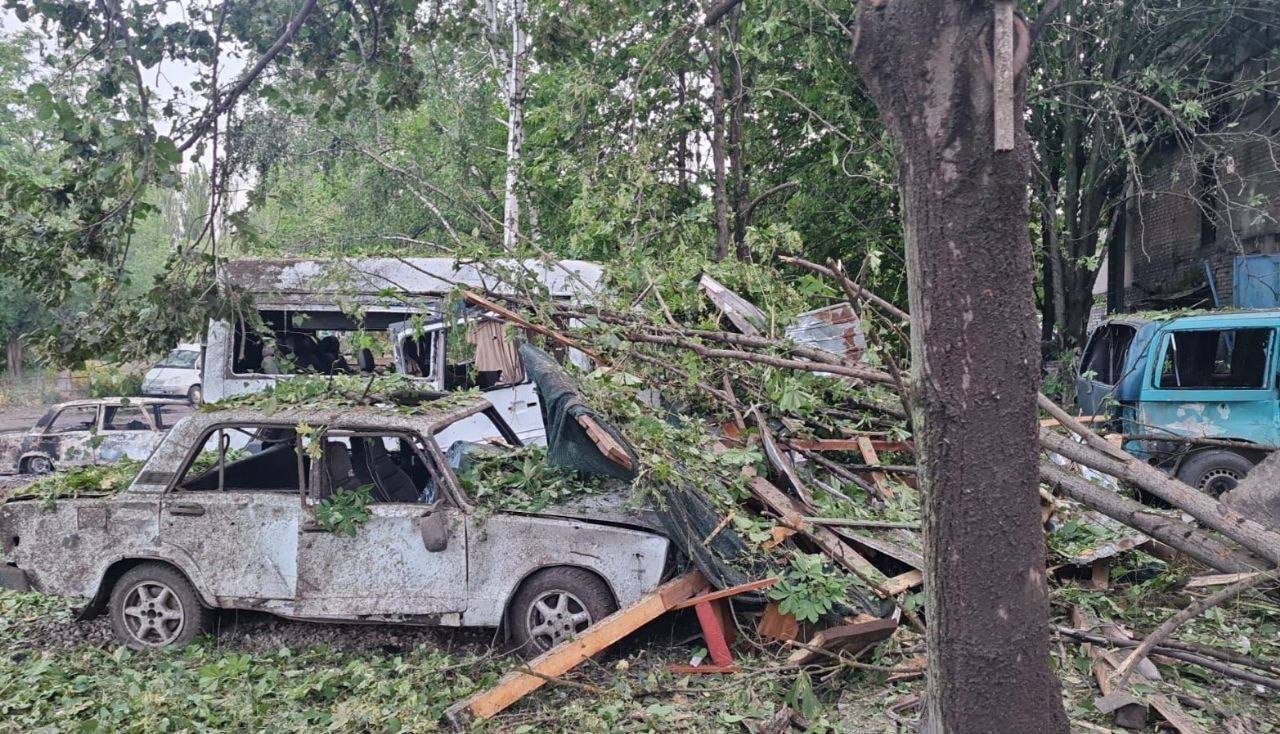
[183, 359]
[1104, 358]
[313, 341]
[1215, 359]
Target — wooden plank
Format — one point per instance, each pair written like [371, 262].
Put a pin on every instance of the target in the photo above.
[1218, 579]
[1172, 712]
[561, 659]
[1128, 711]
[605, 441]
[850, 638]
[848, 444]
[870, 456]
[903, 582]
[778, 626]
[725, 593]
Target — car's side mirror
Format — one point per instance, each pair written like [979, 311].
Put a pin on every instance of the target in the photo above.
[434, 528]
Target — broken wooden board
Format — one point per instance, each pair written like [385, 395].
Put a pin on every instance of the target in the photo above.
[608, 445]
[848, 638]
[870, 456]
[776, 625]
[1127, 710]
[743, 314]
[1218, 579]
[564, 657]
[1171, 711]
[903, 582]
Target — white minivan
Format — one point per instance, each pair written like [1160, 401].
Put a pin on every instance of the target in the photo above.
[178, 374]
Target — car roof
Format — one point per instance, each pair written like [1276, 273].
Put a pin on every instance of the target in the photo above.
[428, 416]
[123, 400]
[1222, 317]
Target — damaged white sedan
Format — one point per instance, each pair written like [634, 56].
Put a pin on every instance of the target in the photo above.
[207, 526]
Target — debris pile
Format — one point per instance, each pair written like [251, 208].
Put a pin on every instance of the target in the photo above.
[778, 451]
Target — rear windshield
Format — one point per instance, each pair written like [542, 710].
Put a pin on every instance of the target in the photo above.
[180, 358]
[1105, 356]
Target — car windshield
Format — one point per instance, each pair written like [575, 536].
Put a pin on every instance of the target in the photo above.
[180, 358]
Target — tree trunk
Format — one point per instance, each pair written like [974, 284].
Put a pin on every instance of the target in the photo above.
[515, 124]
[720, 192]
[13, 356]
[975, 362]
[737, 143]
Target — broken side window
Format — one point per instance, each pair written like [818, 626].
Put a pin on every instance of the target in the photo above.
[391, 465]
[166, 416]
[1104, 359]
[285, 342]
[1215, 359]
[75, 418]
[124, 418]
[246, 458]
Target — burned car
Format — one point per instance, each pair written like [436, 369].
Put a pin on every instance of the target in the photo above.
[88, 432]
[273, 526]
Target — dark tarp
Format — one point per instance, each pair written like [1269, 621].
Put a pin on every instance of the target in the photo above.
[568, 444]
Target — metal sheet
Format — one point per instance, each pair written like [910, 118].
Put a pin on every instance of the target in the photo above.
[834, 329]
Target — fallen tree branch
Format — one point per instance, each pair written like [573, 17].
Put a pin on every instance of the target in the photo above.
[1210, 513]
[1121, 676]
[1170, 531]
[880, 303]
[1177, 654]
[857, 373]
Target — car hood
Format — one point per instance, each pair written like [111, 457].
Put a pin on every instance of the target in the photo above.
[610, 508]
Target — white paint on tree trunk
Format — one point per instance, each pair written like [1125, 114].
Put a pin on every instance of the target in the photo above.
[1002, 95]
[515, 123]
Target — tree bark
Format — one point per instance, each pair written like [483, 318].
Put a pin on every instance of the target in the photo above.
[720, 190]
[737, 143]
[515, 124]
[975, 361]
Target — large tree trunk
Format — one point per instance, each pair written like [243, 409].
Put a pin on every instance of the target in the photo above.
[975, 362]
[720, 186]
[737, 139]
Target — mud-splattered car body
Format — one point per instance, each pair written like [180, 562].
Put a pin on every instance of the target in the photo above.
[247, 536]
[88, 432]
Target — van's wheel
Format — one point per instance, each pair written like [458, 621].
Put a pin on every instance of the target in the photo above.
[1214, 472]
[195, 395]
[557, 604]
[38, 465]
[153, 605]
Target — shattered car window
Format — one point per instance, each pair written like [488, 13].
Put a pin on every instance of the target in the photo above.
[1215, 359]
[166, 416]
[388, 463]
[245, 458]
[76, 418]
[124, 418]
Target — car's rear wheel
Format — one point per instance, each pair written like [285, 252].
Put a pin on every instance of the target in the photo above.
[38, 465]
[555, 605]
[153, 605]
[195, 395]
[1214, 472]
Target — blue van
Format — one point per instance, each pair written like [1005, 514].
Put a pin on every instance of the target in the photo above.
[1205, 375]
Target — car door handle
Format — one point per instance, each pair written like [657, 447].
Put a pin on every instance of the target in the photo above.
[186, 508]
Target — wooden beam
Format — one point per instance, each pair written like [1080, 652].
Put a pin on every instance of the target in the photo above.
[725, 593]
[870, 456]
[564, 657]
[607, 444]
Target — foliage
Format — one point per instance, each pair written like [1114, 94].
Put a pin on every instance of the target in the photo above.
[90, 481]
[346, 510]
[112, 380]
[809, 589]
[521, 480]
[336, 391]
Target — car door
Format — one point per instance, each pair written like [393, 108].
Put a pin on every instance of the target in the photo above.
[126, 432]
[1214, 382]
[234, 513]
[1101, 366]
[418, 349]
[407, 559]
[72, 438]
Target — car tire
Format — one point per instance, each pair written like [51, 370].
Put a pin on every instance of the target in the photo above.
[555, 605]
[195, 395]
[37, 465]
[153, 605]
[1214, 472]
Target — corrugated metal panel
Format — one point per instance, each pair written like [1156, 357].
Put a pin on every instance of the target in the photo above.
[835, 329]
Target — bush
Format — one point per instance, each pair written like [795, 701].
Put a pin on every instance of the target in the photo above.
[110, 380]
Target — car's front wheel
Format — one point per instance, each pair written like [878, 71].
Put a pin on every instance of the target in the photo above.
[153, 605]
[555, 605]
